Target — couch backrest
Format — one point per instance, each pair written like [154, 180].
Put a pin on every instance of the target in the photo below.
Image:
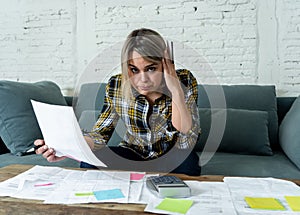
[88, 106]
[245, 97]
[90, 97]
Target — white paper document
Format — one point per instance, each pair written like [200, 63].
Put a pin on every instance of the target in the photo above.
[55, 185]
[92, 186]
[35, 183]
[209, 198]
[240, 187]
[61, 132]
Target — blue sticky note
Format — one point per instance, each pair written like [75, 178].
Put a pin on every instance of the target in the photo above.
[108, 194]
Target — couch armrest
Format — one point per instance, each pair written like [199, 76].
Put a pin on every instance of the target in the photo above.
[283, 106]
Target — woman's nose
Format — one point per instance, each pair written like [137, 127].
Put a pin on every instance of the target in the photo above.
[144, 76]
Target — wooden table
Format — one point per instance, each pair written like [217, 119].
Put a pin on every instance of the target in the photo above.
[10, 205]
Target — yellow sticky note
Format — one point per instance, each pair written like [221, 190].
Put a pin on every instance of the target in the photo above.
[294, 202]
[175, 205]
[264, 203]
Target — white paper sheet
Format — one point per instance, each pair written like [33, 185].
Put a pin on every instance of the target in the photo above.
[210, 198]
[55, 185]
[61, 132]
[89, 182]
[240, 187]
[36, 183]
[135, 192]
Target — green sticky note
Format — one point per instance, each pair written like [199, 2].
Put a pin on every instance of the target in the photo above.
[84, 194]
[264, 203]
[294, 202]
[175, 205]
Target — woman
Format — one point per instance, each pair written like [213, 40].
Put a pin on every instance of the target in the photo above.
[156, 103]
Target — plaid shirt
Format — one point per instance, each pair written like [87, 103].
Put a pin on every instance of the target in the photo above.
[150, 132]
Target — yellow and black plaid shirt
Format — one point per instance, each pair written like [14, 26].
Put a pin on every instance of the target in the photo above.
[150, 132]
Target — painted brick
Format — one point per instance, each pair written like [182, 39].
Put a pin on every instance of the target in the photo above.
[40, 39]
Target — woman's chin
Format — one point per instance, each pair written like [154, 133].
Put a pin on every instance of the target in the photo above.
[144, 91]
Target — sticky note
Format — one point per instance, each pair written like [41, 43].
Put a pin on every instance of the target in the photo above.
[264, 203]
[175, 205]
[84, 194]
[136, 176]
[108, 194]
[294, 202]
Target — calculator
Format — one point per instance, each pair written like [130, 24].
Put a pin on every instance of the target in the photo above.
[168, 186]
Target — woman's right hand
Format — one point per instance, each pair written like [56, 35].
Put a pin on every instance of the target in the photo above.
[47, 152]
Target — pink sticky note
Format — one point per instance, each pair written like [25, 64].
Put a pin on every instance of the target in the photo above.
[136, 176]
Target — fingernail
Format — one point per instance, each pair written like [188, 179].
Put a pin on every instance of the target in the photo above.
[45, 147]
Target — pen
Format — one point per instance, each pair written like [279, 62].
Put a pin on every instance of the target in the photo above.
[29, 151]
[36, 147]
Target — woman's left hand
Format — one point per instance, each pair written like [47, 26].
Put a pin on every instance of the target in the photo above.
[181, 116]
[171, 79]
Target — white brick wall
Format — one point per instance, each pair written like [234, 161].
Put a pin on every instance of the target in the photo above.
[288, 14]
[36, 39]
[242, 41]
[222, 32]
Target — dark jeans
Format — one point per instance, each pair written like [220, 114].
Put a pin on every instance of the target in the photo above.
[116, 158]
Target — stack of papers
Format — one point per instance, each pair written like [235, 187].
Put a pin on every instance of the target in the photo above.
[55, 185]
[236, 195]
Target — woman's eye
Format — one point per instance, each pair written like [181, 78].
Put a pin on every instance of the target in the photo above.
[133, 70]
[151, 69]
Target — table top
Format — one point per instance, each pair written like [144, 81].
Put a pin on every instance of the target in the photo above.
[10, 205]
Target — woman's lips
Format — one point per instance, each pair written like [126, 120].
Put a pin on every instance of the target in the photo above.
[144, 88]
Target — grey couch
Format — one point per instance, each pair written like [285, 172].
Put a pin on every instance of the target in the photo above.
[240, 130]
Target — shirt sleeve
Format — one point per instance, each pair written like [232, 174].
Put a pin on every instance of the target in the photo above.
[190, 88]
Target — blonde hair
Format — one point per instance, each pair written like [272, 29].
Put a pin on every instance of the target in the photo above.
[149, 44]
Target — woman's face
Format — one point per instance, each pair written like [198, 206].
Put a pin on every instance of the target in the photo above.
[145, 76]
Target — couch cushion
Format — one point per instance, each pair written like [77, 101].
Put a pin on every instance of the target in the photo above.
[89, 96]
[289, 133]
[246, 97]
[246, 131]
[88, 106]
[18, 124]
[231, 164]
[34, 159]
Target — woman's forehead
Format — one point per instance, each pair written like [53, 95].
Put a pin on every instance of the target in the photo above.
[137, 58]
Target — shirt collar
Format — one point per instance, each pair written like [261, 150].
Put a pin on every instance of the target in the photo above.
[137, 96]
